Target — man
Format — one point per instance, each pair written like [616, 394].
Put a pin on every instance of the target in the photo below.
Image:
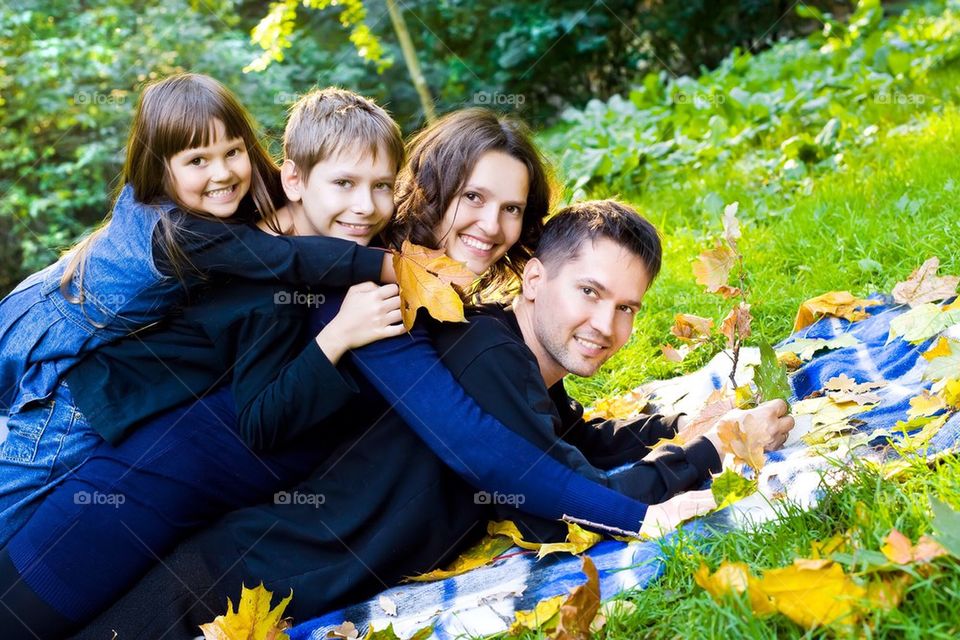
[387, 506]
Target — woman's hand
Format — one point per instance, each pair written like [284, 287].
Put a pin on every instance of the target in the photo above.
[369, 312]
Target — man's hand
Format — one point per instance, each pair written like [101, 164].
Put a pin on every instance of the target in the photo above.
[665, 517]
[772, 414]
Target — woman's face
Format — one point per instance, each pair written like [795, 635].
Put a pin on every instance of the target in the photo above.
[485, 219]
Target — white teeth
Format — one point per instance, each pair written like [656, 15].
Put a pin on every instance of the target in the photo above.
[588, 344]
[358, 227]
[219, 192]
[476, 244]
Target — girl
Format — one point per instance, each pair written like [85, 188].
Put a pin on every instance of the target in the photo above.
[476, 186]
[195, 177]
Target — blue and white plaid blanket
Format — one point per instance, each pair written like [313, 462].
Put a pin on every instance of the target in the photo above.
[484, 601]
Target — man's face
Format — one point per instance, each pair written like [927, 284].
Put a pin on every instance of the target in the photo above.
[583, 310]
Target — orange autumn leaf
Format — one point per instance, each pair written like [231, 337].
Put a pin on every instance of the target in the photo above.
[924, 285]
[841, 304]
[581, 607]
[690, 328]
[425, 277]
[712, 269]
[898, 548]
[744, 440]
[737, 323]
[708, 416]
[253, 619]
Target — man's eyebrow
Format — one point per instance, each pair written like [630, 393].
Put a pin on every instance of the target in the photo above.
[596, 284]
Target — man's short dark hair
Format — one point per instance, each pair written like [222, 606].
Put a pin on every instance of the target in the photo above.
[570, 227]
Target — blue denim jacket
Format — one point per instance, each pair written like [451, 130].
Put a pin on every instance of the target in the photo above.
[42, 333]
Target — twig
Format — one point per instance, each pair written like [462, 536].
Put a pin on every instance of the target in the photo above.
[602, 527]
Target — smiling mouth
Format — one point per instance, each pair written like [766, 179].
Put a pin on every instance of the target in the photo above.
[221, 194]
[589, 345]
[359, 228]
[476, 243]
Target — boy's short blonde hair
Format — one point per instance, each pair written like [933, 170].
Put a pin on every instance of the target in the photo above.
[326, 122]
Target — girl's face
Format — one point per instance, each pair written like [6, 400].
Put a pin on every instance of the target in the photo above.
[212, 179]
[485, 219]
[347, 196]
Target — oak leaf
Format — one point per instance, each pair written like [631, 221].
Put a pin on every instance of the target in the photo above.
[425, 277]
[924, 285]
[841, 304]
[253, 619]
[737, 323]
[744, 439]
[712, 270]
[843, 388]
[690, 328]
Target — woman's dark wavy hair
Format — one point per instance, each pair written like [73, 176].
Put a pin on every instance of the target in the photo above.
[441, 158]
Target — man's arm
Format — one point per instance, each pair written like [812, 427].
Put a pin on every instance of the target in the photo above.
[608, 444]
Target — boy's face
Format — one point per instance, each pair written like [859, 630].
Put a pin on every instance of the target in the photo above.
[583, 309]
[348, 195]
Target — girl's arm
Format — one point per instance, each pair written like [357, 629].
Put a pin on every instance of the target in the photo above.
[232, 249]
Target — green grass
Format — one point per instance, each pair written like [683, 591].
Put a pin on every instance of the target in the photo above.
[893, 202]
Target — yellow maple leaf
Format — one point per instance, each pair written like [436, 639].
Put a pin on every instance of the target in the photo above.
[425, 277]
[924, 285]
[734, 578]
[744, 440]
[578, 541]
[925, 404]
[543, 615]
[482, 553]
[712, 269]
[941, 348]
[253, 619]
[841, 304]
[622, 407]
[812, 592]
[898, 548]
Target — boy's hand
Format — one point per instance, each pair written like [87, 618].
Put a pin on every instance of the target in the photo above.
[369, 312]
[772, 414]
[666, 516]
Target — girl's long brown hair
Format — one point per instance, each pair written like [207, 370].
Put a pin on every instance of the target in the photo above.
[172, 115]
[441, 158]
